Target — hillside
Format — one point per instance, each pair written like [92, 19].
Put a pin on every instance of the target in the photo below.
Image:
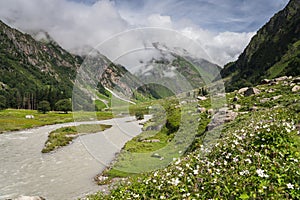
[39, 69]
[274, 51]
[32, 71]
[255, 156]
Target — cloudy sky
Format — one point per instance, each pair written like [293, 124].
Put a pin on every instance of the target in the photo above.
[222, 27]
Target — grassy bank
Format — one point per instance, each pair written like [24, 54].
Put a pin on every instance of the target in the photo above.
[256, 156]
[64, 136]
[13, 119]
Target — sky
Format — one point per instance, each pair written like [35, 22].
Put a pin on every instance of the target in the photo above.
[222, 28]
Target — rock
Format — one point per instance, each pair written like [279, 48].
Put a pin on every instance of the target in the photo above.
[265, 81]
[30, 198]
[235, 99]
[283, 78]
[276, 97]
[210, 111]
[156, 155]
[296, 88]
[201, 110]
[254, 108]
[251, 91]
[270, 90]
[202, 98]
[237, 107]
[264, 100]
[242, 90]
[224, 115]
[29, 117]
[296, 80]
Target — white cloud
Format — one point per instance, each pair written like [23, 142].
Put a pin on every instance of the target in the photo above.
[74, 25]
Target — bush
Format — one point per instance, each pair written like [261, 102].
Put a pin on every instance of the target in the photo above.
[139, 115]
[44, 106]
[63, 105]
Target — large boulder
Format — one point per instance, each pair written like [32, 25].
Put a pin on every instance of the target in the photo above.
[283, 78]
[251, 91]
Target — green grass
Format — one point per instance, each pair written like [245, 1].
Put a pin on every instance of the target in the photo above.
[13, 119]
[63, 136]
[256, 156]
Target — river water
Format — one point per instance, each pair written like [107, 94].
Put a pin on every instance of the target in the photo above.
[66, 173]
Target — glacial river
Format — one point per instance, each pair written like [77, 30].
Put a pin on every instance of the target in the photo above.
[66, 173]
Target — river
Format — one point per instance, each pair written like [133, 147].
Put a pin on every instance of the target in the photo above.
[66, 173]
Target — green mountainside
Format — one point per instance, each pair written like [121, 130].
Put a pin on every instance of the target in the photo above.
[33, 71]
[274, 51]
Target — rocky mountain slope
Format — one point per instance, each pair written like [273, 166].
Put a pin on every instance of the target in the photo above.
[35, 68]
[274, 51]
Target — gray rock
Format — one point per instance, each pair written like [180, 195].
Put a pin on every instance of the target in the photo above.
[266, 81]
[283, 78]
[251, 91]
[237, 107]
[264, 100]
[296, 88]
[155, 155]
[235, 99]
[202, 98]
[242, 90]
[296, 80]
[276, 97]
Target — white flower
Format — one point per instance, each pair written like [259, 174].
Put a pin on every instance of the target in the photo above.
[290, 186]
[175, 181]
[235, 159]
[244, 172]
[248, 161]
[261, 173]
[195, 171]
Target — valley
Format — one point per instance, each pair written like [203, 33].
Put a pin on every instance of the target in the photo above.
[91, 125]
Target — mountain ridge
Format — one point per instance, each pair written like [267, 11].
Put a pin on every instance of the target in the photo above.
[273, 51]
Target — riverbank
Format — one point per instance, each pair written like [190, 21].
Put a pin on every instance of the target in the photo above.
[27, 171]
[14, 119]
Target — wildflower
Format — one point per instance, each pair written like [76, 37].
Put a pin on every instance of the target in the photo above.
[195, 171]
[261, 173]
[235, 159]
[290, 186]
[244, 172]
[175, 181]
[248, 161]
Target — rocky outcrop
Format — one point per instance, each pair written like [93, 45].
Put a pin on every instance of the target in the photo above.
[224, 115]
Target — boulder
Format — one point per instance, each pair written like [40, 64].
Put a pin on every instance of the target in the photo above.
[264, 100]
[235, 99]
[202, 98]
[254, 108]
[237, 107]
[242, 90]
[296, 88]
[265, 81]
[296, 80]
[276, 97]
[155, 155]
[251, 91]
[201, 110]
[283, 78]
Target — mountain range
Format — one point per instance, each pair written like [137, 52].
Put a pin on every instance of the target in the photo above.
[35, 68]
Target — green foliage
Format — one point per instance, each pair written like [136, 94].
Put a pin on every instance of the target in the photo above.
[274, 51]
[139, 115]
[44, 106]
[2, 102]
[256, 158]
[63, 105]
[63, 136]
